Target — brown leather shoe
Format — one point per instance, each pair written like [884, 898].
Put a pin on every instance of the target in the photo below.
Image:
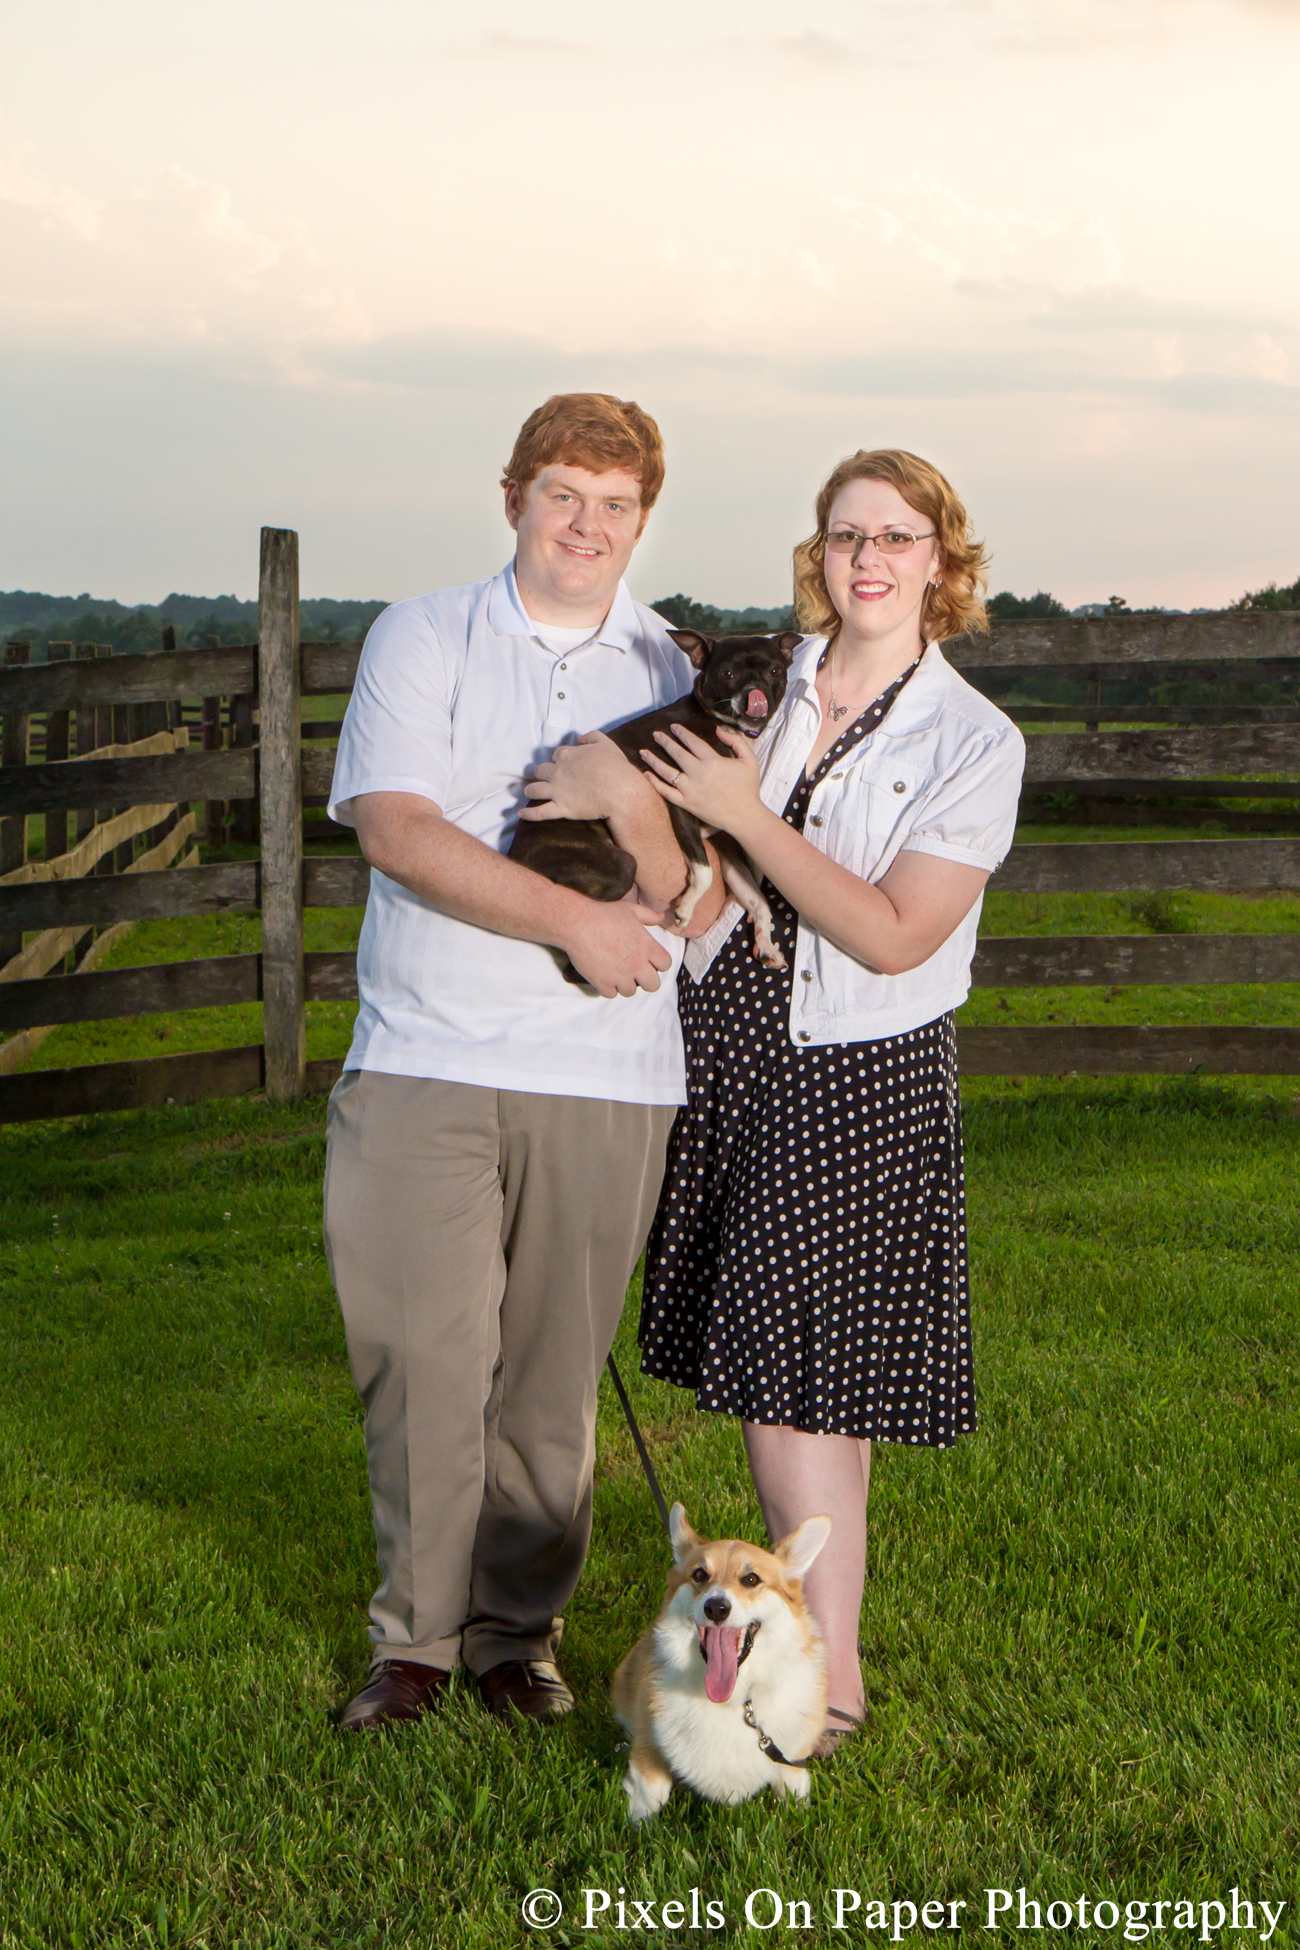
[397, 1689]
[532, 1687]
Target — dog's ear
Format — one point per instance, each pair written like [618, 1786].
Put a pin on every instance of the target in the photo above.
[684, 1538]
[787, 642]
[697, 647]
[800, 1548]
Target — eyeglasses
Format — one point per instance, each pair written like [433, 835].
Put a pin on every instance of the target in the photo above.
[894, 541]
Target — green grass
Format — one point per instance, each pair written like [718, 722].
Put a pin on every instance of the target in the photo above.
[1080, 1625]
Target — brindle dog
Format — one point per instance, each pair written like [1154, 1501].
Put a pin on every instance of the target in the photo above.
[741, 681]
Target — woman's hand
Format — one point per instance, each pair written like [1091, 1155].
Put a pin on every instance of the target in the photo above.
[721, 791]
[589, 780]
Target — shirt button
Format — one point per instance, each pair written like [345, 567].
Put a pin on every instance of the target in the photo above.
[560, 695]
[564, 666]
[816, 819]
[805, 1036]
[900, 785]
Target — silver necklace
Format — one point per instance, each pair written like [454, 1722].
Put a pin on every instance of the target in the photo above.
[837, 711]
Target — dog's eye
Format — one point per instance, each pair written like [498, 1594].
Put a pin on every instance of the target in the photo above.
[699, 1575]
[750, 1579]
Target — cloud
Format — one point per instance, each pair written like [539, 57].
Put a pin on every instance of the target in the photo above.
[171, 261]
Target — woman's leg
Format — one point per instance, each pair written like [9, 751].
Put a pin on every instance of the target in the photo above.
[798, 1475]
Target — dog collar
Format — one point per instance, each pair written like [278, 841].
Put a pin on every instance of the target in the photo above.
[767, 1745]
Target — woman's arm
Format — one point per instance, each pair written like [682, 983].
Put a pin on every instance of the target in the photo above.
[891, 925]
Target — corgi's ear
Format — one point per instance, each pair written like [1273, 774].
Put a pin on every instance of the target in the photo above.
[800, 1548]
[684, 1538]
[696, 646]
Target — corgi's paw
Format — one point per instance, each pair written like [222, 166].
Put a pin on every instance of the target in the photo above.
[795, 1781]
[645, 1796]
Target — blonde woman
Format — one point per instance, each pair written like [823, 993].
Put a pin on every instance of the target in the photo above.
[807, 1268]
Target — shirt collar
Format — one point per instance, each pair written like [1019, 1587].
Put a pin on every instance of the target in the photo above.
[914, 709]
[507, 616]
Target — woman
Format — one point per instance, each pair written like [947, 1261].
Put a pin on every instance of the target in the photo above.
[807, 1268]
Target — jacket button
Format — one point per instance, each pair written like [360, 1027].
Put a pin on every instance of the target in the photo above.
[560, 695]
[900, 785]
[805, 1036]
[817, 819]
[806, 974]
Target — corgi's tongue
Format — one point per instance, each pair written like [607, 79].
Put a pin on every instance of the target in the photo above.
[756, 705]
[721, 1660]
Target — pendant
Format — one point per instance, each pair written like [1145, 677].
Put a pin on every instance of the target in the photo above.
[837, 711]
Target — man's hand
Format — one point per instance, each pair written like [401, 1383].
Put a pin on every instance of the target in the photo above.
[589, 780]
[611, 949]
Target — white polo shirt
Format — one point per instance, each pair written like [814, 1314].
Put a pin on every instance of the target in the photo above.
[456, 696]
[940, 774]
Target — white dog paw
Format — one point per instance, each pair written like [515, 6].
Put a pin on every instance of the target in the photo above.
[644, 1798]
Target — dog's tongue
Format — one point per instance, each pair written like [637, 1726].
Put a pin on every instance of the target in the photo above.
[722, 1661]
[756, 705]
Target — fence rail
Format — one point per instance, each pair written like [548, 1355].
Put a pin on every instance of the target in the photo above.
[119, 775]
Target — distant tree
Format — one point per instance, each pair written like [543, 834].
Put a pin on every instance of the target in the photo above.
[1271, 597]
[1010, 607]
[684, 613]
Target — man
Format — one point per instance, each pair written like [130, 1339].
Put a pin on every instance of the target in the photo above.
[496, 1142]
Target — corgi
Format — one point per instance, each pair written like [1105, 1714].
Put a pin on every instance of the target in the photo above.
[726, 1691]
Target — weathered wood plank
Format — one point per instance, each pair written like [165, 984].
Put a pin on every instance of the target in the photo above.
[317, 772]
[322, 729]
[322, 1073]
[95, 902]
[332, 976]
[1149, 866]
[1231, 635]
[334, 883]
[1031, 961]
[1087, 1051]
[1153, 754]
[1229, 674]
[89, 852]
[1164, 789]
[279, 695]
[19, 1050]
[229, 671]
[329, 667]
[160, 988]
[127, 781]
[148, 1080]
[1141, 714]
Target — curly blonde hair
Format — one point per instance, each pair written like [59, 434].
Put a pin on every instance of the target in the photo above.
[957, 604]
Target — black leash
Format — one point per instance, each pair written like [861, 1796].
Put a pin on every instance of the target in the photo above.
[641, 1449]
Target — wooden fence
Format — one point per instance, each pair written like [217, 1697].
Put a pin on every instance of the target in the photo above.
[1191, 753]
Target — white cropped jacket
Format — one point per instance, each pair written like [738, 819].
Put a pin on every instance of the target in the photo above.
[941, 774]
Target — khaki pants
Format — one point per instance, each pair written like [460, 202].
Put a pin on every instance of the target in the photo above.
[480, 1243]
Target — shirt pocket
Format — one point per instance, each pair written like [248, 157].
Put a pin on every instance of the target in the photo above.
[875, 806]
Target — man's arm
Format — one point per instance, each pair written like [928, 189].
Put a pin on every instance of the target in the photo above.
[407, 838]
[594, 780]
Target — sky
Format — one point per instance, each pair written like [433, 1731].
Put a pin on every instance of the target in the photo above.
[309, 263]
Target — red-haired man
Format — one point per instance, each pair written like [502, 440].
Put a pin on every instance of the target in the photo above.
[496, 1141]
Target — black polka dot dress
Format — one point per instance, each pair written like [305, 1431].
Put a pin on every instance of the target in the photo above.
[807, 1265]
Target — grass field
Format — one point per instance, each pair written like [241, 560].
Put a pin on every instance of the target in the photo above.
[1080, 1627]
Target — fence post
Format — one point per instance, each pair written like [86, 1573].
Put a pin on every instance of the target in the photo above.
[279, 679]
[58, 725]
[13, 830]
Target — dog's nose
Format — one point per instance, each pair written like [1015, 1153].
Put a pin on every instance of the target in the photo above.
[716, 1609]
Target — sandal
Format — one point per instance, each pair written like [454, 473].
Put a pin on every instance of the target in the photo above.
[833, 1737]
